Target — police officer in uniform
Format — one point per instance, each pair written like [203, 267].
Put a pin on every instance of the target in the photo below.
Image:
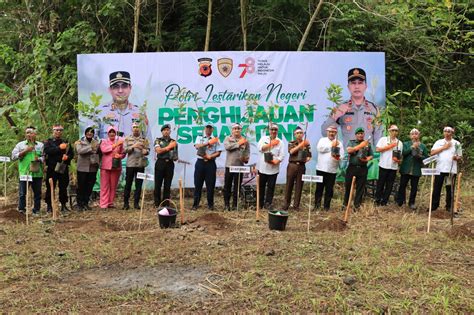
[360, 153]
[137, 148]
[300, 153]
[57, 151]
[166, 150]
[356, 112]
[208, 149]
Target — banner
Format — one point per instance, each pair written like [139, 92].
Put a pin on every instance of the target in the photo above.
[189, 90]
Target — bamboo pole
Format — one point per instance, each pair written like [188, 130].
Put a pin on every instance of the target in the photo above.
[309, 208]
[348, 208]
[5, 181]
[258, 199]
[27, 212]
[181, 201]
[142, 202]
[53, 203]
[458, 193]
[431, 202]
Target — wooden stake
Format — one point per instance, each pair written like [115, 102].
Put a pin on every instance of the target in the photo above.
[431, 201]
[309, 208]
[53, 203]
[258, 199]
[27, 212]
[458, 193]
[142, 203]
[238, 190]
[348, 208]
[5, 181]
[181, 201]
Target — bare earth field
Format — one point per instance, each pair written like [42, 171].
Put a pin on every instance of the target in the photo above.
[98, 262]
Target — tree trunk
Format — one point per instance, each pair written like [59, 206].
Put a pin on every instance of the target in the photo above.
[158, 26]
[135, 25]
[308, 27]
[243, 21]
[208, 27]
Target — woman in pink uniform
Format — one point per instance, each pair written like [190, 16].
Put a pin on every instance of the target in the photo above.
[111, 167]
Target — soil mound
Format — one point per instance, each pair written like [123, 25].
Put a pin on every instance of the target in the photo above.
[441, 214]
[13, 215]
[332, 224]
[463, 231]
[213, 221]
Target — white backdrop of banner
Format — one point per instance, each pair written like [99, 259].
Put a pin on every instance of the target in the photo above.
[241, 84]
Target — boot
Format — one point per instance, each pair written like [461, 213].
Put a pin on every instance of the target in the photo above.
[136, 205]
[126, 206]
[64, 208]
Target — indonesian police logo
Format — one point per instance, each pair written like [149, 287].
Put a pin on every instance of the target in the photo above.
[224, 65]
[205, 66]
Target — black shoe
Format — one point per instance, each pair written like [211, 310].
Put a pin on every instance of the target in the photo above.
[64, 208]
[49, 208]
[326, 209]
[87, 207]
[126, 206]
[22, 210]
[194, 207]
[211, 208]
[412, 207]
[136, 206]
[227, 208]
[79, 207]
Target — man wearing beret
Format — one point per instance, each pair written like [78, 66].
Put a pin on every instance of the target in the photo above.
[137, 149]
[208, 150]
[29, 154]
[166, 150]
[360, 153]
[300, 154]
[58, 156]
[356, 112]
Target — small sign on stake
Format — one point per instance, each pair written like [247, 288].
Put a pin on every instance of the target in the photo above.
[429, 171]
[430, 159]
[5, 159]
[149, 177]
[239, 169]
[312, 178]
[26, 178]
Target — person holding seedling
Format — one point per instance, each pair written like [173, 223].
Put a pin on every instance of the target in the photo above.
[390, 149]
[29, 154]
[58, 155]
[330, 150]
[300, 153]
[208, 150]
[166, 150]
[268, 165]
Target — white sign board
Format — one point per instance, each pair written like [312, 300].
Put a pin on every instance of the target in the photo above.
[4, 159]
[430, 159]
[26, 178]
[149, 177]
[312, 178]
[429, 171]
[239, 169]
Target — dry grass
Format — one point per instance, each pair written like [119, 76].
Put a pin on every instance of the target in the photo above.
[384, 262]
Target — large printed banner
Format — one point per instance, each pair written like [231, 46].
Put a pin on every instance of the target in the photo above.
[189, 90]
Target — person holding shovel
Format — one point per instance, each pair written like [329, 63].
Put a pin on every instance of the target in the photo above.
[268, 165]
[390, 149]
[29, 154]
[166, 150]
[58, 156]
[208, 150]
[414, 152]
[110, 167]
[87, 166]
[360, 153]
[330, 151]
[300, 153]
[137, 149]
[238, 152]
[449, 153]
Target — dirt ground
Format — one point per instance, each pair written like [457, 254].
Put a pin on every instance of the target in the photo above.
[382, 260]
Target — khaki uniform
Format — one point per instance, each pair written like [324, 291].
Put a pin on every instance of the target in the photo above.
[294, 173]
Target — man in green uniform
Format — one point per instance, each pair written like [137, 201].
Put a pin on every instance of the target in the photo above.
[166, 150]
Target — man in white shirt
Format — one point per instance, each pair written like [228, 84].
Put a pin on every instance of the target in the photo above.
[208, 149]
[390, 149]
[449, 152]
[330, 151]
[268, 165]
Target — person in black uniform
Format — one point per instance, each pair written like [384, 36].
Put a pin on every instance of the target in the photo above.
[58, 155]
[166, 154]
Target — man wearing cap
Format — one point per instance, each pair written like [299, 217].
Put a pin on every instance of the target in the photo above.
[29, 154]
[137, 149]
[360, 153]
[449, 152]
[330, 151]
[268, 165]
[57, 153]
[414, 152]
[390, 149]
[238, 153]
[166, 150]
[87, 149]
[208, 149]
[300, 153]
[120, 113]
[356, 112]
